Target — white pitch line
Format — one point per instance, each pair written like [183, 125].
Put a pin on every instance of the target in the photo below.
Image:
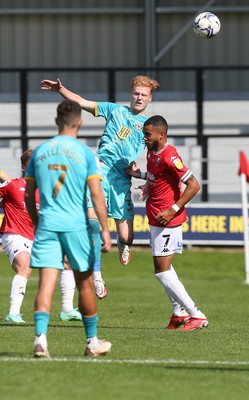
[108, 361]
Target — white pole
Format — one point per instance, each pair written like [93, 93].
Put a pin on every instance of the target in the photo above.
[245, 224]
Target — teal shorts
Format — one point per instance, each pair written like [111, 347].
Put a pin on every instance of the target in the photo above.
[50, 247]
[117, 191]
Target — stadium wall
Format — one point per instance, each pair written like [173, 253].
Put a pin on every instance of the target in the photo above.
[108, 33]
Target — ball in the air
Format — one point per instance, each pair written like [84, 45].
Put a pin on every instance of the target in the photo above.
[206, 25]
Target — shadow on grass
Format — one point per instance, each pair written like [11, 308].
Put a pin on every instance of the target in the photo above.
[239, 368]
[62, 325]
[78, 324]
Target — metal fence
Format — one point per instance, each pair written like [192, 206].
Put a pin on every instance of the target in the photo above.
[207, 150]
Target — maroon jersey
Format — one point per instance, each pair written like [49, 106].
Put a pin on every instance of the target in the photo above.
[165, 172]
[16, 218]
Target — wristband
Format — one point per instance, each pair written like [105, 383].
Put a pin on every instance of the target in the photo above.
[176, 208]
[143, 175]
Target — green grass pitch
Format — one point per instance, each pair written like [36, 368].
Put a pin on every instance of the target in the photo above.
[147, 361]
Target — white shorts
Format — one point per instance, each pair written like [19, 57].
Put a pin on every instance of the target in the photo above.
[14, 244]
[166, 241]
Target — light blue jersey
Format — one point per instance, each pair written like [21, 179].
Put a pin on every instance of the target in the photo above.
[61, 167]
[122, 140]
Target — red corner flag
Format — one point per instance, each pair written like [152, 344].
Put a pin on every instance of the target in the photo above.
[244, 165]
[244, 178]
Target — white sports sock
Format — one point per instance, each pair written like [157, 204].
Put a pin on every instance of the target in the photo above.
[97, 276]
[177, 309]
[17, 292]
[175, 289]
[67, 286]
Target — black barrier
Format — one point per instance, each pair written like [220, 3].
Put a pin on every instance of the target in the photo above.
[206, 225]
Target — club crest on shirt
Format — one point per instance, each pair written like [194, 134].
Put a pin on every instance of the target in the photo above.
[158, 160]
[124, 132]
[177, 162]
[139, 127]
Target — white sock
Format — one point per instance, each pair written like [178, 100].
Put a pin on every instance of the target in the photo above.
[67, 286]
[97, 276]
[17, 292]
[175, 289]
[177, 309]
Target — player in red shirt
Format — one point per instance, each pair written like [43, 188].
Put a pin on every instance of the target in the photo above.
[166, 213]
[17, 239]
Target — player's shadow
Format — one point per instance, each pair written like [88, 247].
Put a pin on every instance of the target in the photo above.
[14, 354]
[6, 324]
[208, 368]
[23, 326]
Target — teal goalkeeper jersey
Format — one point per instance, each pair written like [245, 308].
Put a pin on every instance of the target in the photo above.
[61, 167]
[122, 139]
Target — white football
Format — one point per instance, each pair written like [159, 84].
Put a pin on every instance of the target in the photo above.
[206, 25]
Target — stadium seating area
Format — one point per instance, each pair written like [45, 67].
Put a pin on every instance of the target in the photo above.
[220, 118]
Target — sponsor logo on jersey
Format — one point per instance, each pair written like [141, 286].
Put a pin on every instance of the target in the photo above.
[177, 162]
[124, 132]
[150, 176]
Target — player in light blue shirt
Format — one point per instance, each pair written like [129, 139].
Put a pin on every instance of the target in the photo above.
[121, 143]
[61, 168]
[122, 138]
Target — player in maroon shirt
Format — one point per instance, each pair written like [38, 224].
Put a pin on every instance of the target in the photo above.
[166, 213]
[17, 238]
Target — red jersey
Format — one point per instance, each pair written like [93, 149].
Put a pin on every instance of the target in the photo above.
[165, 172]
[16, 218]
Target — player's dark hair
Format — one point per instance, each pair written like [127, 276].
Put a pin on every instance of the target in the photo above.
[26, 156]
[68, 107]
[157, 120]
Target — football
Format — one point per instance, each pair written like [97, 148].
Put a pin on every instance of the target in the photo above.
[206, 25]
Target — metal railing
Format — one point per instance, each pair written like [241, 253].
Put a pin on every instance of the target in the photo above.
[111, 74]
